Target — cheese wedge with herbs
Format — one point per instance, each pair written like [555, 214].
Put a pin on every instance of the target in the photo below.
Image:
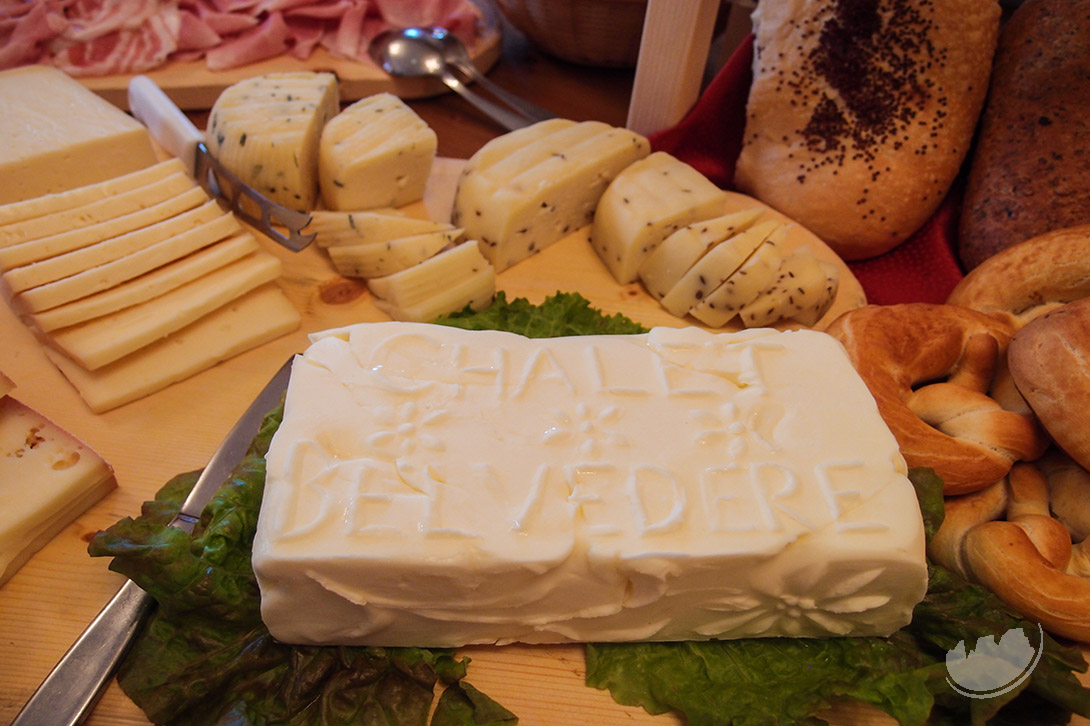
[431, 277]
[266, 130]
[375, 153]
[529, 188]
[803, 289]
[719, 307]
[647, 202]
[47, 479]
[367, 227]
[378, 259]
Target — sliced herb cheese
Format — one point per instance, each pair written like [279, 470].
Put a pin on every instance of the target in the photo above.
[379, 259]
[721, 305]
[431, 277]
[367, 227]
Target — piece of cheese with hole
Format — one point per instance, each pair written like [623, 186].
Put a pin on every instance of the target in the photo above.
[800, 284]
[104, 340]
[385, 258]
[101, 210]
[666, 264]
[527, 189]
[266, 130]
[181, 242]
[108, 250]
[146, 286]
[429, 278]
[47, 479]
[431, 486]
[367, 227]
[35, 250]
[476, 292]
[713, 269]
[375, 153]
[59, 135]
[81, 196]
[744, 286]
[646, 203]
[245, 323]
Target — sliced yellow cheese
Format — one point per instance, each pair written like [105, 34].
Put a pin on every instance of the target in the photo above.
[665, 265]
[47, 479]
[801, 285]
[255, 318]
[61, 201]
[647, 202]
[375, 153]
[367, 227]
[58, 135]
[724, 302]
[420, 282]
[386, 258]
[100, 210]
[266, 130]
[108, 250]
[713, 269]
[475, 291]
[104, 340]
[56, 244]
[105, 276]
[544, 185]
[146, 286]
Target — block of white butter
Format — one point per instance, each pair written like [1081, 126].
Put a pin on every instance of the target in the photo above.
[47, 479]
[375, 153]
[59, 135]
[436, 487]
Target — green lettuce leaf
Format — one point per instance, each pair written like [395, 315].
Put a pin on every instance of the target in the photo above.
[564, 313]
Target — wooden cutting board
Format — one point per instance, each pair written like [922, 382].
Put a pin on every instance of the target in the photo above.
[46, 605]
[192, 86]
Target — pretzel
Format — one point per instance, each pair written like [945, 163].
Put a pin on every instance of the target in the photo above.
[1068, 492]
[1030, 278]
[928, 368]
[961, 514]
[1023, 560]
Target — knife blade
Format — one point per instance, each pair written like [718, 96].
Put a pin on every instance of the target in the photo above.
[172, 130]
[72, 688]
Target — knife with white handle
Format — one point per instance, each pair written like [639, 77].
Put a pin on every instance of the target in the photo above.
[172, 130]
[70, 691]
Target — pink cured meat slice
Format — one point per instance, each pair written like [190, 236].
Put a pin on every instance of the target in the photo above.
[270, 38]
[22, 38]
[122, 51]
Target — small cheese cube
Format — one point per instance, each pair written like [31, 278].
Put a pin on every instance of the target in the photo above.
[646, 203]
[266, 130]
[529, 188]
[375, 153]
[59, 135]
[378, 259]
[47, 479]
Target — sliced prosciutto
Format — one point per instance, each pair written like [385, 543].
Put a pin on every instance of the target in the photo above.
[271, 38]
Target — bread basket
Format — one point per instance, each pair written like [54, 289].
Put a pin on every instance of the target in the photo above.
[589, 32]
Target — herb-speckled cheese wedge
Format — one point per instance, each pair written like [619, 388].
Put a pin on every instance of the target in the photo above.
[385, 258]
[720, 305]
[475, 291]
[333, 229]
[266, 130]
[646, 203]
[664, 266]
[528, 189]
[375, 153]
[802, 289]
[431, 277]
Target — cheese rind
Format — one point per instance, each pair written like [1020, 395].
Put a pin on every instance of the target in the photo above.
[375, 153]
[58, 135]
[431, 486]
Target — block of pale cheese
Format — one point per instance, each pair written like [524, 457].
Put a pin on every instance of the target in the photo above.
[529, 188]
[436, 487]
[47, 479]
[375, 153]
[58, 135]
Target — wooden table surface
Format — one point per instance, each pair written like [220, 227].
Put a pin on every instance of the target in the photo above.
[45, 606]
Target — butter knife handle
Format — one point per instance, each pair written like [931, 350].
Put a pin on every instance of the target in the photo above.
[69, 692]
[170, 128]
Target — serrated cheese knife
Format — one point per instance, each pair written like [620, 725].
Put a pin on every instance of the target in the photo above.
[71, 689]
[174, 132]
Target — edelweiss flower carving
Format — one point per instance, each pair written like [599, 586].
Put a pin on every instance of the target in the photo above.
[737, 428]
[405, 430]
[589, 430]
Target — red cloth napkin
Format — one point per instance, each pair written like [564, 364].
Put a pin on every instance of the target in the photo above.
[923, 268]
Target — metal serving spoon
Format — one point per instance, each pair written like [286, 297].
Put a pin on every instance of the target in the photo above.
[433, 52]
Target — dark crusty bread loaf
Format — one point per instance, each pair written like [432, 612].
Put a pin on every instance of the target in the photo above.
[861, 112]
[1050, 361]
[1030, 171]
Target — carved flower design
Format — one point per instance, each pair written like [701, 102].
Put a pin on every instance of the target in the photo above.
[404, 430]
[588, 429]
[737, 427]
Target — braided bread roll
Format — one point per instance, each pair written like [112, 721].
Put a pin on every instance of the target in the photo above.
[950, 424]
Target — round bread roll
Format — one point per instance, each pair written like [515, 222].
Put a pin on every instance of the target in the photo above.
[1049, 360]
[1030, 278]
[861, 113]
[929, 368]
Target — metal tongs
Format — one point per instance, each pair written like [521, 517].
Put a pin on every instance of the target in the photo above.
[174, 132]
